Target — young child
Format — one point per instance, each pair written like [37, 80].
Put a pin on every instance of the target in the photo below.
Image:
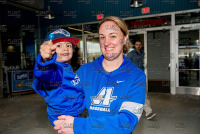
[55, 80]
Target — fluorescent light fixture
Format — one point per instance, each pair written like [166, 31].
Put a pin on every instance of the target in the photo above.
[136, 3]
[49, 14]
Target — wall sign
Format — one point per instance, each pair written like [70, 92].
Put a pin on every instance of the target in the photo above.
[145, 10]
[22, 80]
[149, 22]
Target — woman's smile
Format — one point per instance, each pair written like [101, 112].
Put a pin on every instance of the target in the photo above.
[109, 48]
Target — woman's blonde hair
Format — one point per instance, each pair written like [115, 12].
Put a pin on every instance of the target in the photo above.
[120, 23]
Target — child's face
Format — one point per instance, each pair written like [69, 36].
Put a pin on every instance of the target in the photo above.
[64, 51]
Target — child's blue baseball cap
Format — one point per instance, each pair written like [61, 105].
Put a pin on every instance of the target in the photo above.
[60, 35]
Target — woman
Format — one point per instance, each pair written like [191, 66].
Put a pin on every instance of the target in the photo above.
[116, 92]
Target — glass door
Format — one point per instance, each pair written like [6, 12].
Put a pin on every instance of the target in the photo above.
[134, 36]
[92, 47]
[188, 61]
[158, 61]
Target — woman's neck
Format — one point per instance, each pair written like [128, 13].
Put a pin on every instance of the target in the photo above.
[110, 66]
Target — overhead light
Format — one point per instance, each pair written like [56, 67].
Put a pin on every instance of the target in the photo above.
[49, 14]
[136, 3]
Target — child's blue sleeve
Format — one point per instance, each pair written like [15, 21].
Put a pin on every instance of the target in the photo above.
[79, 73]
[38, 87]
[43, 71]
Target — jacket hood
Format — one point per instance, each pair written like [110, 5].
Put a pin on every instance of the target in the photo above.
[125, 66]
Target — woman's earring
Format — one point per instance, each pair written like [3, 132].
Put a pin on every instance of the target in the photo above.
[125, 42]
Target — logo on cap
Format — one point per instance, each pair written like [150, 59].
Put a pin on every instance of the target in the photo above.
[61, 31]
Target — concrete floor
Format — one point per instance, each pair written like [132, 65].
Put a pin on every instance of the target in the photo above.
[176, 114]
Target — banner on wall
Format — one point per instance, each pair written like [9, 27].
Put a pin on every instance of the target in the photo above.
[22, 80]
[149, 22]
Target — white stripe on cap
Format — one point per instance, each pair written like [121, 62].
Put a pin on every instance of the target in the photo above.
[135, 108]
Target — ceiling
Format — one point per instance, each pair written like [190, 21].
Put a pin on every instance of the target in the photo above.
[31, 5]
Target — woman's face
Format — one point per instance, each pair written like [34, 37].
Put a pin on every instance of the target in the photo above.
[64, 51]
[111, 40]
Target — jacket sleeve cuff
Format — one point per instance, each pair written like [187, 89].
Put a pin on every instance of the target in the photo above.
[79, 125]
[40, 61]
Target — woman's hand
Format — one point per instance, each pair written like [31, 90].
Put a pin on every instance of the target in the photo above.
[47, 49]
[64, 124]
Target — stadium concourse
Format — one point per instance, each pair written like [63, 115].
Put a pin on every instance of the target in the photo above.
[176, 114]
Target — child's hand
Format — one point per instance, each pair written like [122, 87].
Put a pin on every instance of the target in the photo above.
[47, 49]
